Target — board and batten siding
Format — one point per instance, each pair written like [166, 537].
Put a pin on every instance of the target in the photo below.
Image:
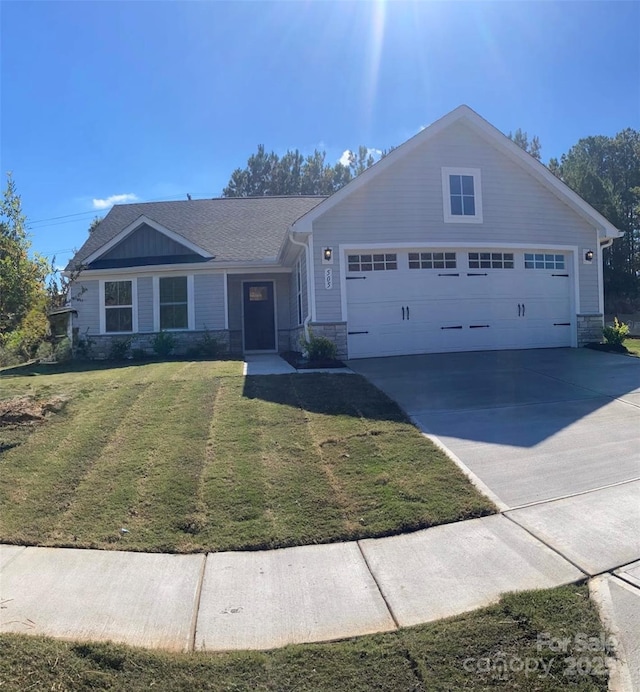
[404, 204]
[146, 242]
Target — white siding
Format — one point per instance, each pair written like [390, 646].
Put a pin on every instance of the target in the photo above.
[404, 205]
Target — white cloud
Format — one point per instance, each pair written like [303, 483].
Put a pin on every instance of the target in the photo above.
[114, 199]
[344, 159]
[371, 151]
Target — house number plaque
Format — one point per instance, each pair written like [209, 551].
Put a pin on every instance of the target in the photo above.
[328, 278]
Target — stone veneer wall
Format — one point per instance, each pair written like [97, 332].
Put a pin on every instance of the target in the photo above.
[589, 328]
[336, 331]
[100, 348]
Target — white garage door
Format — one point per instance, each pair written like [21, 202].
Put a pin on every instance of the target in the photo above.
[422, 301]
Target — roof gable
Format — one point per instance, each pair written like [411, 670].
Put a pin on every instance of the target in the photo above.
[464, 114]
[151, 237]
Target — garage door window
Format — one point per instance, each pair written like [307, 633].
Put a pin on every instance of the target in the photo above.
[432, 260]
[540, 261]
[369, 263]
[491, 260]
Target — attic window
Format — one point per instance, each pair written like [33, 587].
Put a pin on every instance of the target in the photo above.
[461, 195]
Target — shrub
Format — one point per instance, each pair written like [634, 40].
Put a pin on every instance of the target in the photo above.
[207, 346]
[62, 350]
[318, 348]
[84, 346]
[45, 351]
[617, 334]
[139, 354]
[163, 344]
[119, 349]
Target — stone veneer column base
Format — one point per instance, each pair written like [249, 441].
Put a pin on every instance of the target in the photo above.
[589, 328]
[335, 331]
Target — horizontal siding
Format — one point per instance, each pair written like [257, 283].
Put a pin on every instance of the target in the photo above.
[209, 301]
[145, 304]
[86, 300]
[404, 204]
[146, 242]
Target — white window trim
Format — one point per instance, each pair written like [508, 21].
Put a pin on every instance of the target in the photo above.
[191, 309]
[446, 195]
[134, 305]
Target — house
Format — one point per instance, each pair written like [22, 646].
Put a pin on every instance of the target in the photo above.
[457, 240]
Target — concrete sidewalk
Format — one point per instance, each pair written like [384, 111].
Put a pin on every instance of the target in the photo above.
[261, 600]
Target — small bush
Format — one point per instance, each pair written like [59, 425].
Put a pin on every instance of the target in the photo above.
[139, 354]
[62, 350]
[207, 346]
[319, 348]
[45, 351]
[163, 344]
[617, 334]
[119, 349]
[84, 346]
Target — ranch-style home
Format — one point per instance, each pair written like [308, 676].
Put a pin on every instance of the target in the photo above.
[457, 240]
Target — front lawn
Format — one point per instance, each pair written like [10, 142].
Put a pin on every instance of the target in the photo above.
[192, 456]
[633, 346]
[544, 641]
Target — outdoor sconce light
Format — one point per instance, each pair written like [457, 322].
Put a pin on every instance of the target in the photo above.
[588, 256]
[327, 255]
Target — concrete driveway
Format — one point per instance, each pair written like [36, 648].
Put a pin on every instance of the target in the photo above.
[531, 425]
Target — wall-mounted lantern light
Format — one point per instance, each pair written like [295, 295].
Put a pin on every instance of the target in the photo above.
[327, 255]
[588, 255]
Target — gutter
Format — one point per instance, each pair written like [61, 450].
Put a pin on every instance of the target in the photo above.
[307, 319]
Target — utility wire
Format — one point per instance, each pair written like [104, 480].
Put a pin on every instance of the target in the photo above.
[183, 196]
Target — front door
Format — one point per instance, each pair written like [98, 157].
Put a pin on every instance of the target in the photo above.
[259, 316]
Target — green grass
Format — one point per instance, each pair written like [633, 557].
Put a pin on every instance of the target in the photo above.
[633, 345]
[192, 456]
[463, 653]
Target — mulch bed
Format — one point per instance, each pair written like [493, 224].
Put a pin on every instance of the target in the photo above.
[299, 362]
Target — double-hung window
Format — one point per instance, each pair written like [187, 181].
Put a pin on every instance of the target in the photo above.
[461, 195]
[118, 306]
[174, 302]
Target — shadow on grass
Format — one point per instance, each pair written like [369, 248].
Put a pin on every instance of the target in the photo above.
[324, 393]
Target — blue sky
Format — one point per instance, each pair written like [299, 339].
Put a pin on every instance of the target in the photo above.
[157, 99]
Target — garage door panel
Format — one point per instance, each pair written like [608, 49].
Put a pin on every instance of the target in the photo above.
[438, 310]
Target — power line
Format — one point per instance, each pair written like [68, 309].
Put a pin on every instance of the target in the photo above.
[182, 196]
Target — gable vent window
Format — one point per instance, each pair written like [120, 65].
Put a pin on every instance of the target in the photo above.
[174, 303]
[432, 260]
[540, 261]
[491, 260]
[371, 263]
[118, 306]
[461, 195]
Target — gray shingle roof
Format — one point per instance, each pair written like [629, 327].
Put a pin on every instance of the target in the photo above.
[231, 229]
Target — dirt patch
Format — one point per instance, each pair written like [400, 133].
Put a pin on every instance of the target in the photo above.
[27, 410]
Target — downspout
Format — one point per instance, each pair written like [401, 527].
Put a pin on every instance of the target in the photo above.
[307, 319]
